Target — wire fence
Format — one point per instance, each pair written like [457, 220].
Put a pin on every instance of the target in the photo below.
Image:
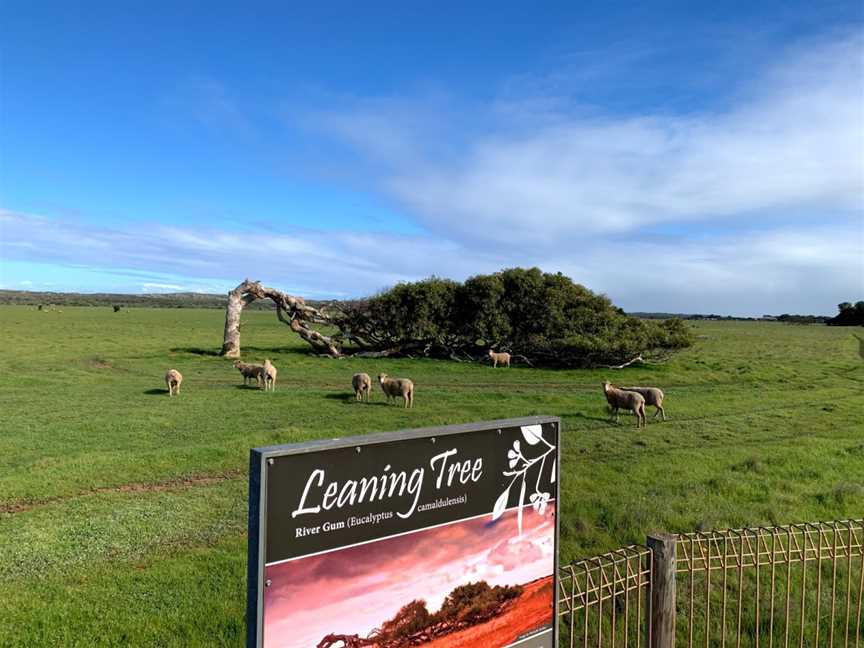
[799, 585]
[607, 594]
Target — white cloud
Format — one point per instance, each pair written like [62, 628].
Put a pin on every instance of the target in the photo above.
[793, 139]
[161, 287]
[312, 263]
[792, 269]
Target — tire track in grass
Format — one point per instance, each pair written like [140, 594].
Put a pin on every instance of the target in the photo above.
[672, 420]
[205, 479]
[448, 384]
[468, 385]
[185, 483]
[173, 484]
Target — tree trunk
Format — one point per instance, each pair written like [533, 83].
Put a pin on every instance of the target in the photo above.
[348, 641]
[237, 301]
[290, 310]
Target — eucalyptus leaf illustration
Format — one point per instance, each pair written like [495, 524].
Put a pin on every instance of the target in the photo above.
[532, 434]
[500, 504]
[522, 466]
[521, 504]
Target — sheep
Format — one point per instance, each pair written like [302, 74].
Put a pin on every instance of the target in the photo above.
[396, 387]
[630, 400]
[503, 358]
[362, 384]
[269, 376]
[173, 378]
[653, 396]
[249, 371]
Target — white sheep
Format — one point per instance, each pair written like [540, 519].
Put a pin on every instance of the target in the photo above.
[269, 375]
[629, 400]
[653, 396]
[362, 384]
[250, 371]
[503, 358]
[173, 378]
[397, 387]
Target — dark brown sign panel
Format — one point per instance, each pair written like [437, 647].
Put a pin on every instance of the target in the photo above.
[442, 537]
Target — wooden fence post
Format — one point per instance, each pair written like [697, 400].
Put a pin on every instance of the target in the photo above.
[662, 590]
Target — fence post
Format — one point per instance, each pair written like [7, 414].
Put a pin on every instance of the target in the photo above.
[662, 591]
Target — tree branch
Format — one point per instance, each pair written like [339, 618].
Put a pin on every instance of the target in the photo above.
[626, 364]
[290, 310]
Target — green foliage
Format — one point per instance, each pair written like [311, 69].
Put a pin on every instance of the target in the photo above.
[480, 312]
[411, 618]
[466, 604]
[473, 602]
[415, 311]
[849, 315]
[542, 316]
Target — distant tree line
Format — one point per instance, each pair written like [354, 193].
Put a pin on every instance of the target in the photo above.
[802, 319]
[848, 314]
[121, 300]
[713, 317]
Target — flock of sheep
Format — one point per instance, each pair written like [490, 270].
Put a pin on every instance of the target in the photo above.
[627, 398]
[264, 375]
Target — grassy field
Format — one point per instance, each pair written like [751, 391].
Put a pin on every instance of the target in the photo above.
[123, 512]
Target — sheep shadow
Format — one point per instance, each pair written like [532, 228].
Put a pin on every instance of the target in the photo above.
[155, 392]
[340, 396]
[245, 387]
[196, 351]
[348, 399]
[254, 351]
[602, 419]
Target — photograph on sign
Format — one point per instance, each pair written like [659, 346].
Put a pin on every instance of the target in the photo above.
[445, 540]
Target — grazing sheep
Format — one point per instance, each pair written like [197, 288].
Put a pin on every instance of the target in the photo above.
[653, 396]
[362, 384]
[269, 376]
[250, 371]
[173, 378]
[503, 358]
[629, 400]
[397, 387]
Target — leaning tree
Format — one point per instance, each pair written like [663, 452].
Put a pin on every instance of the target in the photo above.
[544, 318]
[290, 310]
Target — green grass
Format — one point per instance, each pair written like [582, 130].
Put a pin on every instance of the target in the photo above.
[123, 512]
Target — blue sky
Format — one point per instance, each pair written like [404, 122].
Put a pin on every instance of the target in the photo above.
[675, 156]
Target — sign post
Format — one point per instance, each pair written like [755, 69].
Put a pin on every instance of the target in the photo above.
[406, 538]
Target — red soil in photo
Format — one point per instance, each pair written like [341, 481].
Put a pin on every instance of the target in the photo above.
[530, 611]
